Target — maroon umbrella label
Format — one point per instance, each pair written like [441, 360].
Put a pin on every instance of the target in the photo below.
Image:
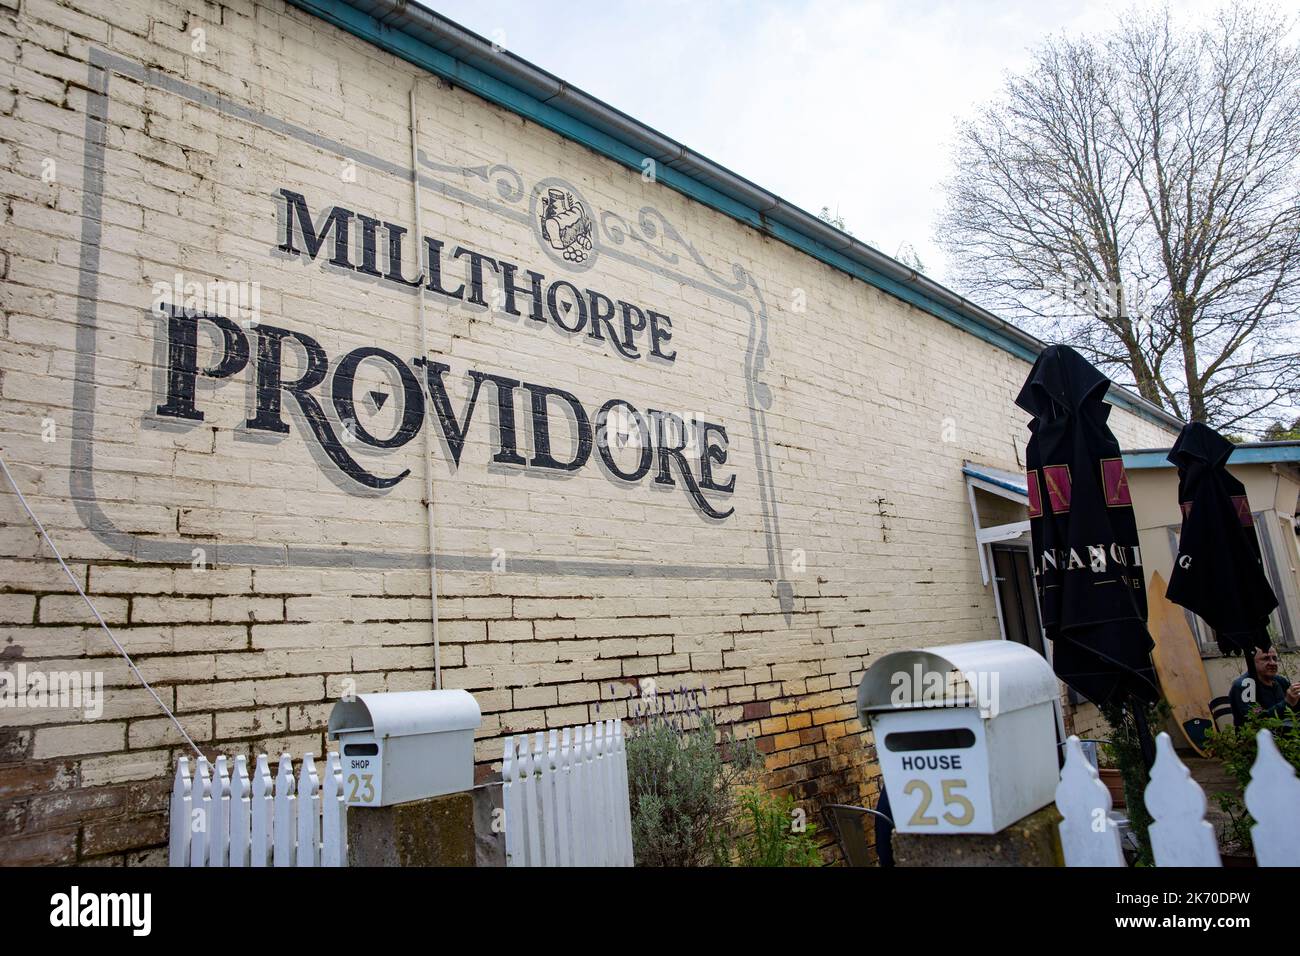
[1057, 478]
[1243, 511]
[1035, 493]
[1114, 482]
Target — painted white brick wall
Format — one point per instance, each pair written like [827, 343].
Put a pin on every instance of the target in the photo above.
[874, 539]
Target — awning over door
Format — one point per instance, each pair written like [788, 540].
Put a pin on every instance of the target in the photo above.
[1005, 484]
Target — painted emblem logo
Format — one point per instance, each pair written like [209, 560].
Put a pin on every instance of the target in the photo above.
[566, 225]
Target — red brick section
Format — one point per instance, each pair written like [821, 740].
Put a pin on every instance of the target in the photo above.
[48, 819]
[757, 710]
[816, 752]
[25, 779]
[122, 834]
[54, 848]
[15, 743]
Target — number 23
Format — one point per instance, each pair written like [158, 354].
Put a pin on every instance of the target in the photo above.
[368, 793]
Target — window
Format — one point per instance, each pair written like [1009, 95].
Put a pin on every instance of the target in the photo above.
[1280, 625]
[1203, 633]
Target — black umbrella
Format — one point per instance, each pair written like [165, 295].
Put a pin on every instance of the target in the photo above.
[1219, 573]
[1087, 563]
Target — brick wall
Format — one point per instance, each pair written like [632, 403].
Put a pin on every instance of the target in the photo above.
[254, 580]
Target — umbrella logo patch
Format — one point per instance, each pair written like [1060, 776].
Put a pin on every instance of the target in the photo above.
[1115, 482]
[1035, 493]
[1057, 478]
[1243, 511]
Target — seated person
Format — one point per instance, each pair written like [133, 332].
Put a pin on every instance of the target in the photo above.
[884, 830]
[1274, 693]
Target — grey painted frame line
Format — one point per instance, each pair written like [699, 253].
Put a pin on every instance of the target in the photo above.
[151, 550]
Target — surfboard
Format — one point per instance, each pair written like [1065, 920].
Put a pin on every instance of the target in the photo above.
[1177, 659]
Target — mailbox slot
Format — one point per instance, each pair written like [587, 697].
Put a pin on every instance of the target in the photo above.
[958, 739]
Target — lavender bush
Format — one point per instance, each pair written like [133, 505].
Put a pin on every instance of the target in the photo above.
[682, 776]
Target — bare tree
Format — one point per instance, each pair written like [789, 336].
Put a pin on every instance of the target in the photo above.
[1138, 196]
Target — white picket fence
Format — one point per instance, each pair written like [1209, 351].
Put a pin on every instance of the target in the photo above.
[1180, 835]
[566, 798]
[232, 820]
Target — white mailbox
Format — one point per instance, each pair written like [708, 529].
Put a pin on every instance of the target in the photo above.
[965, 734]
[405, 745]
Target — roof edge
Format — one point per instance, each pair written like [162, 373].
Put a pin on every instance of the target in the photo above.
[1247, 453]
[446, 49]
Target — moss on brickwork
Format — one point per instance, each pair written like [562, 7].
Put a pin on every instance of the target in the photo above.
[1031, 841]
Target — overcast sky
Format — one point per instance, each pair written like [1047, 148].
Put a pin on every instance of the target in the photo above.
[849, 105]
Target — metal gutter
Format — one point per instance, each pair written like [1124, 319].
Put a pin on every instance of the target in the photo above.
[1252, 453]
[431, 41]
[997, 477]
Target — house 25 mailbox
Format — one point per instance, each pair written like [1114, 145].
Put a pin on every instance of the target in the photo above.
[965, 734]
[405, 745]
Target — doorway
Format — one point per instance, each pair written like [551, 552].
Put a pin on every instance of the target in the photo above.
[1017, 601]
[1013, 582]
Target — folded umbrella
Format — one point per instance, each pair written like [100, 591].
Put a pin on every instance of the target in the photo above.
[1087, 562]
[1219, 573]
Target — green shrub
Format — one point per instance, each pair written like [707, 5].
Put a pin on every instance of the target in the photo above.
[1236, 747]
[681, 782]
[768, 834]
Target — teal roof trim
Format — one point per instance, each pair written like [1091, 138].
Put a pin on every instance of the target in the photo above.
[1264, 453]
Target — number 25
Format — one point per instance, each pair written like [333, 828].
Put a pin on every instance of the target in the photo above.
[950, 798]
